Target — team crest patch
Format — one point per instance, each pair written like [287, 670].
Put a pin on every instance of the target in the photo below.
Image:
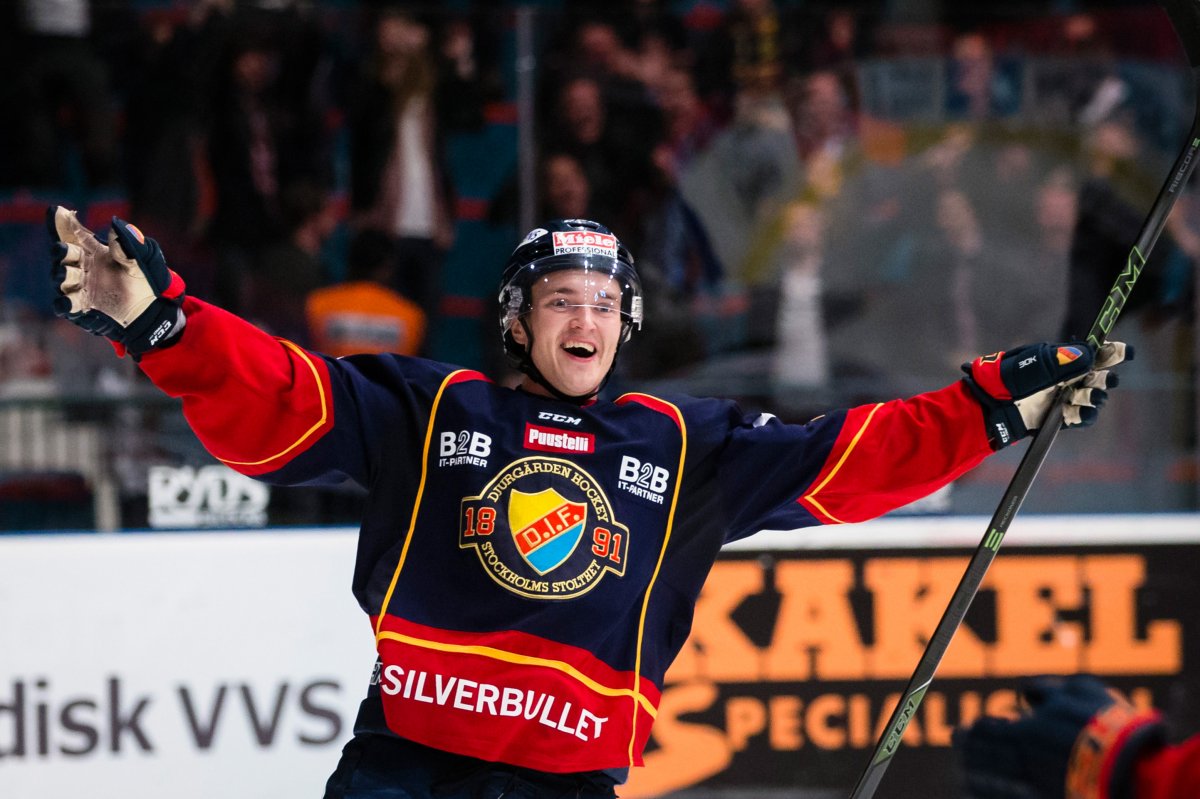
[1068, 354]
[543, 528]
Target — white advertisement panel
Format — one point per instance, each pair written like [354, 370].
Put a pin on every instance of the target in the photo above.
[231, 664]
[183, 664]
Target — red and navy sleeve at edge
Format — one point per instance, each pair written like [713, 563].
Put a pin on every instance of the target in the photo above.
[893, 453]
[1170, 772]
[255, 401]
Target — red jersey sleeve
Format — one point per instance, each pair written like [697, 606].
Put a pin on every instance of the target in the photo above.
[893, 453]
[845, 466]
[255, 401]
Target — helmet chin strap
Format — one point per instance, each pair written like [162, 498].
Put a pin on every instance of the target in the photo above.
[530, 368]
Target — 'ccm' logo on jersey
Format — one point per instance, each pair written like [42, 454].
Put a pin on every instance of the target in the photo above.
[551, 416]
[550, 439]
[643, 479]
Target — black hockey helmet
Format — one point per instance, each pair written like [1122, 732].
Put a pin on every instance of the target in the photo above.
[554, 246]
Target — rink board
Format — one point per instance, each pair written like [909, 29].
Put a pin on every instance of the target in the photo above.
[231, 663]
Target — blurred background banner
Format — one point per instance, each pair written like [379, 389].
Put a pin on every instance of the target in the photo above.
[232, 662]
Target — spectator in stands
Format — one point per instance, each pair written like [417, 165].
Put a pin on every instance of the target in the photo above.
[398, 182]
[838, 45]
[308, 69]
[599, 52]
[959, 231]
[256, 146]
[824, 119]
[757, 171]
[688, 125]
[681, 270]
[783, 269]
[671, 236]
[738, 180]
[757, 152]
[1084, 60]
[747, 54]
[648, 26]
[291, 269]
[802, 353]
[364, 314]
[757, 45]
[467, 77]
[25, 366]
[61, 130]
[172, 65]
[565, 190]
[1056, 212]
[981, 84]
[614, 160]
[1032, 240]
[1112, 200]
[164, 122]
[591, 47]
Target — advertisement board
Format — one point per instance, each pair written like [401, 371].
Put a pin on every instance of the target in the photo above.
[798, 655]
[220, 664]
[232, 663]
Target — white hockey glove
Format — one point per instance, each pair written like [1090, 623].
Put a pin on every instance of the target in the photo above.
[121, 289]
[1016, 388]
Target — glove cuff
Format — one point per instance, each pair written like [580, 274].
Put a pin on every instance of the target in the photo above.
[158, 327]
[1002, 419]
[1102, 760]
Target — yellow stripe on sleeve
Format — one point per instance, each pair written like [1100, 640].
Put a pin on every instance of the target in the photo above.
[811, 496]
[310, 431]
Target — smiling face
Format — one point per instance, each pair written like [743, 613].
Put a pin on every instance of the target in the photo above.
[575, 320]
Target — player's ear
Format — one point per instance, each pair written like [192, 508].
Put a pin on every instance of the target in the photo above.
[518, 333]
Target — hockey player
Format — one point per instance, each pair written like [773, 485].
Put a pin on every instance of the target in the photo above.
[1076, 739]
[529, 558]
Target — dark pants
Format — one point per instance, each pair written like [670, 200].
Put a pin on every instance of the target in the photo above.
[383, 767]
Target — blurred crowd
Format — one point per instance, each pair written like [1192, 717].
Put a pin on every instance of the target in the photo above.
[804, 185]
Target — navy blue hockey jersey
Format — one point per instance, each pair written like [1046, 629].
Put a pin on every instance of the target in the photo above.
[529, 566]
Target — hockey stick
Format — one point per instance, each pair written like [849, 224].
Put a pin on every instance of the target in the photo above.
[1185, 18]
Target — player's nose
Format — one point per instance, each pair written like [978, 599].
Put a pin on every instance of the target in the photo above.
[583, 317]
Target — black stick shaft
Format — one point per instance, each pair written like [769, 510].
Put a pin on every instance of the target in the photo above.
[1151, 229]
[1031, 463]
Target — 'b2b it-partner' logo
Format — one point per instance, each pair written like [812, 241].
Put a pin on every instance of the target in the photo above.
[544, 529]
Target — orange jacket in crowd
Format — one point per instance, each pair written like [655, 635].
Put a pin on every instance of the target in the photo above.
[364, 317]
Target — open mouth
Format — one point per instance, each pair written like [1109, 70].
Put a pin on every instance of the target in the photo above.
[579, 349]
